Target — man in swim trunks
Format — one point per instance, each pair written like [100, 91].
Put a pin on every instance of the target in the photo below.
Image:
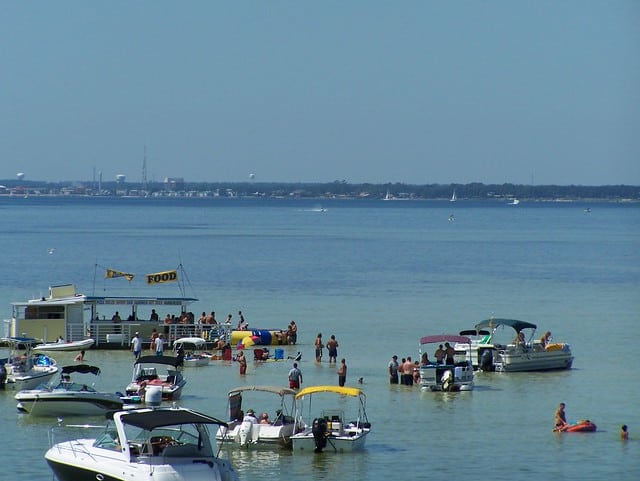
[560, 418]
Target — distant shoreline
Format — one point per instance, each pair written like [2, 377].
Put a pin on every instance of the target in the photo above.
[321, 191]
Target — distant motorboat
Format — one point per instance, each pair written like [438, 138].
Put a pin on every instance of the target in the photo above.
[194, 351]
[67, 398]
[65, 346]
[28, 370]
[514, 202]
[146, 369]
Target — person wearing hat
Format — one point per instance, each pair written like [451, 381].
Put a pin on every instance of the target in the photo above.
[250, 416]
[136, 346]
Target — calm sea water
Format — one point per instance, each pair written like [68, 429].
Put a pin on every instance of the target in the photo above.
[378, 275]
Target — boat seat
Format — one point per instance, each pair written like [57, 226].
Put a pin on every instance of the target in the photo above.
[181, 450]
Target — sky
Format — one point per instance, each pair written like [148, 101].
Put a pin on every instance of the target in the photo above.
[417, 92]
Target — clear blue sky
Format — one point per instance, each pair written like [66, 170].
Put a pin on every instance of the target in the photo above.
[542, 91]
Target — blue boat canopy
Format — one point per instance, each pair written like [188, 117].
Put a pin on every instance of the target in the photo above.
[514, 323]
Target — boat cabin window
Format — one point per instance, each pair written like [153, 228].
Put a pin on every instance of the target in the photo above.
[44, 312]
[176, 441]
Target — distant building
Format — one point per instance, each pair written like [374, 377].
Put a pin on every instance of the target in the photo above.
[174, 183]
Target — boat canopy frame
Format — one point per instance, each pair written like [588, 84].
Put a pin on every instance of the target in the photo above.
[168, 360]
[444, 338]
[514, 323]
[80, 368]
[150, 419]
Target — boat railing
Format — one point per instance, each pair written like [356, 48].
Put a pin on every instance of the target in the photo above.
[75, 332]
[62, 438]
[108, 333]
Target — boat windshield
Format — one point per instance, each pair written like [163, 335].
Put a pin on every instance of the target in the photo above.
[108, 440]
[178, 440]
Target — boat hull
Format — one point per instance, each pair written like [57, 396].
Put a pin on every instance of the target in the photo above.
[20, 382]
[305, 442]
[520, 361]
[516, 359]
[65, 346]
[67, 404]
[196, 361]
[67, 472]
[88, 465]
[256, 435]
[442, 377]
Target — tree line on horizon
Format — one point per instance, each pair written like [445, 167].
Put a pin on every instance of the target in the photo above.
[474, 190]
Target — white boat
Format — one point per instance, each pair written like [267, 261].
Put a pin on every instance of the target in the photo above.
[472, 349]
[69, 397]
[388, 196]
[66, 312]
[193, 350]
[24, 369]
[65, 346]
[514, 202]
[281, 425]
[148, 444]
[454, 197]
[146, 376]
[520, 354]
[447, 377]
[331, 429]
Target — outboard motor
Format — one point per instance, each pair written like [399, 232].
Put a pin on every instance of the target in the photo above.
[153, 395]
[447, 380]
[319, 430]
[486, 360]
[244, 433]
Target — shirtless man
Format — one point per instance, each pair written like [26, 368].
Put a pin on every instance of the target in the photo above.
[332, 346]
[560, 418]
[449, 353]
[439, 354]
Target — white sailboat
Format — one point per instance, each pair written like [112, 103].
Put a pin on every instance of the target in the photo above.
[454, 197]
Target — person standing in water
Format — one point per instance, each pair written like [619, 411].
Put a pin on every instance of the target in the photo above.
[342, 373]
[295, 377]
[332, 347]
[319, 346]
